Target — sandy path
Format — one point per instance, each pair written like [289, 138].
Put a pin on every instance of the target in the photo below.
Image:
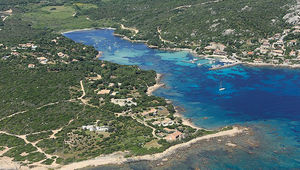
[49, 104]
[210, 2]
[161, 39]
[5, 18]
[13, 115]
[27, 142]
[183, 6]
[203, 3]
[58, 130]
[84, 101]
[3, 151]
[83, 91]
[130, 29]
[144, 123]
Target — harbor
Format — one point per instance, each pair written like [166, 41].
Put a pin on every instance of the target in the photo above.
[219, 66]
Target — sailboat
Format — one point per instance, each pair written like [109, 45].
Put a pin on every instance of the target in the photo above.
[221, 88]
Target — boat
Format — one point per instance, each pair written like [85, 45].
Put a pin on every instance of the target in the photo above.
[211, 61]
[221, 88]
[192, 61]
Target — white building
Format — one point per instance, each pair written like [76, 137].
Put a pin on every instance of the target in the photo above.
[93, 128]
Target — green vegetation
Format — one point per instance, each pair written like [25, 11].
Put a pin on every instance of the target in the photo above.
[10, 141]
[52, 88]
[190, 22]
[63, 17]
[42, 85]
[48, 161]
[193, 24]
[39, 136]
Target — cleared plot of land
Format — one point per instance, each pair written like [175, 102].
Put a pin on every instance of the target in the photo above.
[62, 17]
[152, 144]
[85, 6]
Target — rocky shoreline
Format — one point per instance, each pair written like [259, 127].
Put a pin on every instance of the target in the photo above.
[118, 157]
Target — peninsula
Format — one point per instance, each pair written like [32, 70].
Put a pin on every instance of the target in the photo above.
[62, 107]
[60, 104]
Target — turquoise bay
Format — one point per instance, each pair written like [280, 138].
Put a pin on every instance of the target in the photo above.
[265, 99]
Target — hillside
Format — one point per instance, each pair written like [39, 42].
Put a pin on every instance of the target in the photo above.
[242, 31]
[60, 104]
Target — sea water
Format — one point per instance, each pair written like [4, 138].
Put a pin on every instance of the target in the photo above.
[267, 99]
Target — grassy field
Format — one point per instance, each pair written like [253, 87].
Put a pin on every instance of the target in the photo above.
[84, 6]
[63, 18]
[152, 144]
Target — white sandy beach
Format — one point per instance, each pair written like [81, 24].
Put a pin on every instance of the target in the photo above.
[186, 121]
[157, 85]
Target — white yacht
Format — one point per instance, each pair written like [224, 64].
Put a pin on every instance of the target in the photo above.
[221, 88]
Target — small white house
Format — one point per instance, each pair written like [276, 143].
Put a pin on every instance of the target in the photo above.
[93, 128]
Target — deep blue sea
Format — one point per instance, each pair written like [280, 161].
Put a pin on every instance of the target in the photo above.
[266, 99]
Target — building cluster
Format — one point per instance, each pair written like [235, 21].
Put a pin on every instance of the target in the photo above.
[31, 49]
[42, 60]
[94, 128]
[166, 122]
[177, 135]
[171, 135]
[5, 14]
[278, 49]
[274, 49]
[215, 49]
[62, 55]
[124, 102]
[159, 117]
[27, 46]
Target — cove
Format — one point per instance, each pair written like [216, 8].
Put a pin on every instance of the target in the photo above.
[264, 98]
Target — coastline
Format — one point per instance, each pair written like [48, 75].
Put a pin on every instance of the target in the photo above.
[128, 39]
[88, 29]
[194, 52]
[118, 157]
[186, 121]
[156, 86]
[156, 47]
[295, 66]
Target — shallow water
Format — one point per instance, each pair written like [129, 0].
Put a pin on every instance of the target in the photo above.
[265, 98]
